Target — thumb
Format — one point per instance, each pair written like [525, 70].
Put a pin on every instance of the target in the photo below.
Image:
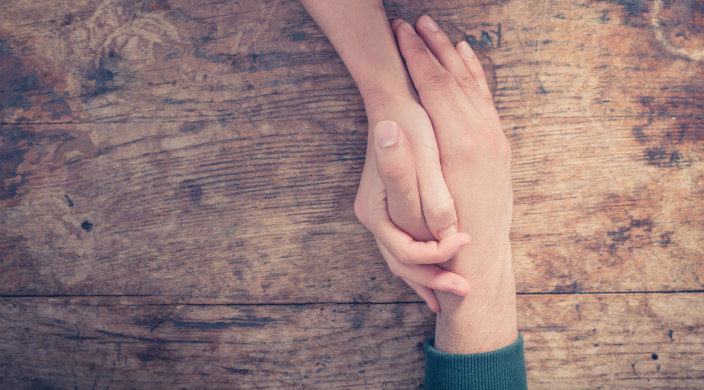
[396, 167]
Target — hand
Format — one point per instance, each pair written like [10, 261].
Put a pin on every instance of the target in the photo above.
[475, 161]
[418, 203]
[391, 180]
[393, 198]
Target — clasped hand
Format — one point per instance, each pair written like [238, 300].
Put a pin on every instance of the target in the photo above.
[438, 169]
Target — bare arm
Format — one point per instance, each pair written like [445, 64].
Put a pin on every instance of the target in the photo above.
[476, 163]
[416, 205]
[360, 32]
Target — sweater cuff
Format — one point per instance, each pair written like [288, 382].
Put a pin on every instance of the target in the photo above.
[503, 368]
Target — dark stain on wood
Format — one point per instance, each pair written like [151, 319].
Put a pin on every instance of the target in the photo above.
[154, 351]
[56, 107]
[43, 384]
[490, 39]
[68, 19]
[155, 5]
[103, 77]
[87, 226]
[666, 239]
[22, 85]
[15, 80]
[192, 126]
[634, 11]
[14, 143]
[570, 288]
[661, 157]
[193, 190]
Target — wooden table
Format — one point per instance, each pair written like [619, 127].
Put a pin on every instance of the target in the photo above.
[177, 180]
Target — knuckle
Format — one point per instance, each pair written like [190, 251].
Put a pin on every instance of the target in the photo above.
[437, 79]
[498, 145]
[478, 73]
[417, 47]
[394, 171]
[361, 210]
[436, 279]
[374, 94]
[441, 211]
[468, 82]
[395, 268]
[487, 142]
[463, 150]
[408, 194]
[403, 259]
[467, 146]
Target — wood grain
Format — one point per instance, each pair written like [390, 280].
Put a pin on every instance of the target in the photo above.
[267, 217]
[177, 180]
[573, 341]
[169, 139]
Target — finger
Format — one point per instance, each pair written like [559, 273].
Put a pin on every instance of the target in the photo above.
[436, 201]
[421, 61]
[441, 47]
[445, 102]
[474, 67]
[426, 294]
[428, 276]
[395, 165]
[370, 207]
[371, 195]
[396, 23]
[408, 251]
[420, 204]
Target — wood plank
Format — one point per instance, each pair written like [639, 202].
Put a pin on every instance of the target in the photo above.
[186, 182]
[124, 61]
[264, 213]
[178, 177]
[195, 154]
[572, 341]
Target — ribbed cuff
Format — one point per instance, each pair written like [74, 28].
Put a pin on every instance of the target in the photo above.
[503, 368]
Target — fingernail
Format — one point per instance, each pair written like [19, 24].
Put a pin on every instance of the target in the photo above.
[465, 50]
[408, 28]
[447, 231]
[429, 23]
[460, 287]
[386, 133]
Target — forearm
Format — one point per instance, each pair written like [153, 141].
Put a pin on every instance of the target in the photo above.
[485, 319]
[360, 32]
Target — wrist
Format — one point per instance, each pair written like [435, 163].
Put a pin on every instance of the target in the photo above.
[389, 101]
[483, 320]
[385, 90]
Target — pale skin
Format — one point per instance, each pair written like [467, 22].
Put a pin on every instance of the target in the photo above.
[473, 161]
[418, 205]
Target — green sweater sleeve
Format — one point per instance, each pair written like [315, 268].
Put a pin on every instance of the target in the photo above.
[503, 368]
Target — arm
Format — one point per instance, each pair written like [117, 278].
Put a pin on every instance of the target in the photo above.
[360, 32]
[476, 342]
[476, 164]
[416, 205]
